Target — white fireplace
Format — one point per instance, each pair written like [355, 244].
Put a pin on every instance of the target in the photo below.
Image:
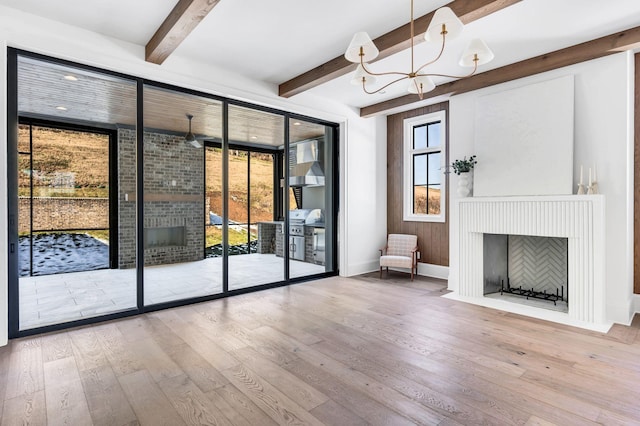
[578, 218]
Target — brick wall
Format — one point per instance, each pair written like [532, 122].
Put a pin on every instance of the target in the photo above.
[63, 213]
[173, 187]
[266, 238]
[126, 198]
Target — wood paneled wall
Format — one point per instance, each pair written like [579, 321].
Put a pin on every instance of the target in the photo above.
[433, 237]
[636, 181]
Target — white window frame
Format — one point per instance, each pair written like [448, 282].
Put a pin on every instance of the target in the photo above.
[409, 152]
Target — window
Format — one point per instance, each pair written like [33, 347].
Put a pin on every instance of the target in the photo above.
[424, 166]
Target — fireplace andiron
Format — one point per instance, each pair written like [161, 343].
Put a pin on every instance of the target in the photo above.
[543, 295]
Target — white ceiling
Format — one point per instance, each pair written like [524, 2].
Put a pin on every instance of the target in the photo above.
[274, 41]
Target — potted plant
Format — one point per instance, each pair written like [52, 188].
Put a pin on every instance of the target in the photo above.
[464, 165]
[462, 168]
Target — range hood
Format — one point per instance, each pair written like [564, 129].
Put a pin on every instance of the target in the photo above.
[305, 168]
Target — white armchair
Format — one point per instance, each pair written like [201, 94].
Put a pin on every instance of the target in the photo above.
[401, 251]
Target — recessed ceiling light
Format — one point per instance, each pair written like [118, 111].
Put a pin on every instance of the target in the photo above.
[254, 137]
[297, 123]
[70, 77]
[61, 108]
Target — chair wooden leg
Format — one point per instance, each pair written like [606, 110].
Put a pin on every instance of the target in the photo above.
[387, 272]
[381, 272]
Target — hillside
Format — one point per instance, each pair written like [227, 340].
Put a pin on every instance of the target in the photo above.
[72, 164]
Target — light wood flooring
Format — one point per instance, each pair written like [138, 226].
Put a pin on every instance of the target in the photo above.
[338, 351]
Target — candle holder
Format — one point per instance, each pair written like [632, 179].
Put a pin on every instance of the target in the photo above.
[581, 189]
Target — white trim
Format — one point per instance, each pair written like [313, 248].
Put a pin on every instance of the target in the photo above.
[434, 271]
[425, 270]
[635, 307]
[362, 268]
[407, 154]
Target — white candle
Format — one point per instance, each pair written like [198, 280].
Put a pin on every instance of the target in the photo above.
[589, 176]
[580, 174]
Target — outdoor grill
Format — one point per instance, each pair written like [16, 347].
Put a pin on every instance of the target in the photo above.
[297, 220]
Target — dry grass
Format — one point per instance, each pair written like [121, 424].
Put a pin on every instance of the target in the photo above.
[65, 163]
[422, 203]
[261, 186]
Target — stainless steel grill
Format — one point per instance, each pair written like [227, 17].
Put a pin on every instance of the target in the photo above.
[296, 233]
[297, 219]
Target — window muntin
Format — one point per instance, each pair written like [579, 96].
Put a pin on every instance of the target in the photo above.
[424, 164]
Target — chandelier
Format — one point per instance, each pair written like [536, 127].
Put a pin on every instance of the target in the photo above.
[444, 25]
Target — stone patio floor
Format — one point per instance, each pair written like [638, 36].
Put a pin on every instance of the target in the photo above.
[58, 298]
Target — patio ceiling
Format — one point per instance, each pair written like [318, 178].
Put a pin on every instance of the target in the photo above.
[61, 93]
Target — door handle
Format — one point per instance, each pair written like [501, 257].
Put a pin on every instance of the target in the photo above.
[12, 247]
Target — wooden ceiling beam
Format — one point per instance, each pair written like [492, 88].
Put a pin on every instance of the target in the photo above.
[614, 43]
[390, 43]
[185, 16]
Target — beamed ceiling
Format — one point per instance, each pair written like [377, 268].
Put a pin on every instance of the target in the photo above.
[46, 91]
[297, 47]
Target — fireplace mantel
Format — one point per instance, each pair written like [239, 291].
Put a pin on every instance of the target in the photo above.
[579, 218]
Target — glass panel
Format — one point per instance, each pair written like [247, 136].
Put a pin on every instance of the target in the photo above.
[434, 134]
[420, 137]
[434, 199]
[435, 180]
[420, 169]
[435, 174]
[420, 199]
[175, 212]
[310, 219]
[70, 244]
[24, 140]
[70, 201]
[238, 202]
[262, 207]
[255, 237]
[25, 250]
[213, 202]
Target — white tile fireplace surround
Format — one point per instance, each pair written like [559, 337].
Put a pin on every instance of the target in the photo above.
[579, 218]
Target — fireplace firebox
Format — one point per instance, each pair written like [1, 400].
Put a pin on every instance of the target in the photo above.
[532, 267]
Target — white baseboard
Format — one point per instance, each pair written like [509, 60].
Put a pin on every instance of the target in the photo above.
[361, 268]
[434, 271]
[635, 307]
[424, 269]
[427, 270]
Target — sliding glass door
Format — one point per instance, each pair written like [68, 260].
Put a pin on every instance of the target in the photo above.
[255, 236]
[127, 195]
[179, 219]
[311, 193]
[69, 234]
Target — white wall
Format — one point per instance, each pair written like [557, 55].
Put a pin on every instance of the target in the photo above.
[366, 194]
[603, 134]
[362, 221]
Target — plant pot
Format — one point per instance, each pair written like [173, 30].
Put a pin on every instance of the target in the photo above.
[464, 185]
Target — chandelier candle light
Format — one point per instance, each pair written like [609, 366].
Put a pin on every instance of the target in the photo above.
[444, 25]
